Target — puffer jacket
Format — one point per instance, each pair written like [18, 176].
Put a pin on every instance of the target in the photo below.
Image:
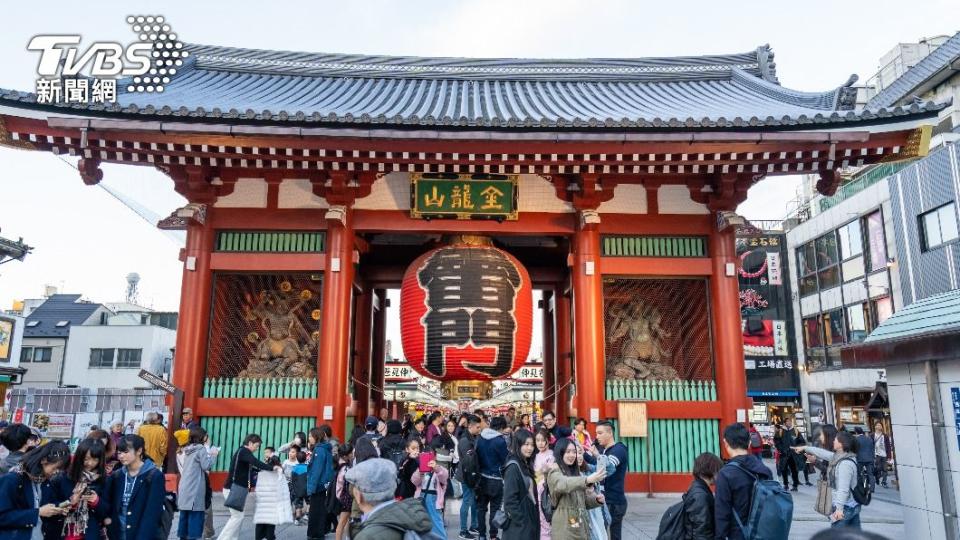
[273, 499]
[393, 520]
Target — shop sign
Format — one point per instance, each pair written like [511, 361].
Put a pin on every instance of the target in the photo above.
[780, 338]
[452, 196]
[955, 396]
[398, 372]
[774, 273]
[529, 373]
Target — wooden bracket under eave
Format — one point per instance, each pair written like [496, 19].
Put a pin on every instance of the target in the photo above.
[829, 182]
[90, 171]
[342, 187]
[583, 191]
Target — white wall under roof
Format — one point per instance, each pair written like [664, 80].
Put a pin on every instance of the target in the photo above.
[155, 341]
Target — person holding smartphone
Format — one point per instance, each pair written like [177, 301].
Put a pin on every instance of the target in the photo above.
[24, 495]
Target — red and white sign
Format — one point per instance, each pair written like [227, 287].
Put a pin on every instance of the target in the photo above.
[466, 313]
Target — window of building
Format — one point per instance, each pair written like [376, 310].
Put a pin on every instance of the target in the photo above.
[101, 358]
[851, 250]
[807, 268]
[858, 322]
[129, 358]
[938, 227]
[877, 241]
[811, 332]
[36, 355]
[828, 270]
[833, 331]
[881, 309]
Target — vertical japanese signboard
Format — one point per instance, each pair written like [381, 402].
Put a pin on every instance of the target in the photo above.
[464, 196]
[765, 312]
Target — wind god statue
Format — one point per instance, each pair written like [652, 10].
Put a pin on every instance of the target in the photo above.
[636, 333]
[279, 354]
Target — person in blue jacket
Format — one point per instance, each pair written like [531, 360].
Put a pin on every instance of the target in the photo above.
[319, 476]
[136, 491]
[25, 492]
[84, 486]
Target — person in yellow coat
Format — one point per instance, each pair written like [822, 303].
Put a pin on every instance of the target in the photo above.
[154, 438]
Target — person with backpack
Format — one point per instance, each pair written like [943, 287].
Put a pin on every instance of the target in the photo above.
[541, 462]
[865, 454]
[193, 462]
[137, 491]
[756, 441]
[846, 484]
[273, 502]
[430, 478]
[319, 476]
[468, 473]
[405, 488]
[298, 487]
[571, 494]
[344, 500]
[785, 440]
[25, 492]
[693, 518]
[735, 484]
[491, 456]
[393, 445]
[372, 484]
[520, 490]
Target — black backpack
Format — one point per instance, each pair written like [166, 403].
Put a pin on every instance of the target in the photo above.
[333, 502]
[672, 524]
[546, 503]
[470, 468]
[169, 507]
[861, 490]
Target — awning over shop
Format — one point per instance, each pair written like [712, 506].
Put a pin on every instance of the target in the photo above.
[928, 330]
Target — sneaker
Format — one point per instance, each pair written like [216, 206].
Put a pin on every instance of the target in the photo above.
[465, 535]
[808, 484]
[795, 488]
[476, 532]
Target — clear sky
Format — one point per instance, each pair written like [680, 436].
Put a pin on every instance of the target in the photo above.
[86, 241]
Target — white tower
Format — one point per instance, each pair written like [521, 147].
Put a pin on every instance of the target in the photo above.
[133, 295]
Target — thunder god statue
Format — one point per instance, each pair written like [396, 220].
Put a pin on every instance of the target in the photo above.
[636, 344]
[279, 354]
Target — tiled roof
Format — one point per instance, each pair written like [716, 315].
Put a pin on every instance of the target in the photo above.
[944, 58]
[933, 315]
[229, 85]
[57, 308]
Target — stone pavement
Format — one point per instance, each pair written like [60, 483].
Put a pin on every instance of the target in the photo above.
[882, 516]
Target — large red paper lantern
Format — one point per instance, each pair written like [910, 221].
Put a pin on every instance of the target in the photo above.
[466, 312]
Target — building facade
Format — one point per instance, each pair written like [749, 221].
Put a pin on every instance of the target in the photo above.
[47, 334]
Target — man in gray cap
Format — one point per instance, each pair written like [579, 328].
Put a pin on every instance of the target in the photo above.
[373, 483]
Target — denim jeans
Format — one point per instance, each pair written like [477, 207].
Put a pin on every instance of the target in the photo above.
[851, 517]
[430, 502]
[489, 498]
[617, 511]
[468, 509]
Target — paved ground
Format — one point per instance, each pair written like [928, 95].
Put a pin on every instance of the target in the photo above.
[883, 516]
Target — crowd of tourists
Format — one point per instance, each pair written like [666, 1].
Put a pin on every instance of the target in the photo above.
[395, 478]
[392, 479]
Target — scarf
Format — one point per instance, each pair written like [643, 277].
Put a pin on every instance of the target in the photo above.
[75, 524]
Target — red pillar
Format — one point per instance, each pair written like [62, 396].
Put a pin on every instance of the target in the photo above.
[194, 317]
[334, 351]
[564, 365]
[588, 336]
[549, 364]
[361, 354]
[378, 350]
[728, 336]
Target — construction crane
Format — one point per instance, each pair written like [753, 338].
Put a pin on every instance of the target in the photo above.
[13, 251]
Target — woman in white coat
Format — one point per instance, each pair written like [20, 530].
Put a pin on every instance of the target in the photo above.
[273, 503]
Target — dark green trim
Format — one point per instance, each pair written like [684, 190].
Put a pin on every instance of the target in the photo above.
[654, 246]
[271, 242]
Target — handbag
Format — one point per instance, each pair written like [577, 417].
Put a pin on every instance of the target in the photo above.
[237, 494]
[824, 500]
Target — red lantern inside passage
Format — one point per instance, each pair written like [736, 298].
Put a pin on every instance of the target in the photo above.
[466, 312]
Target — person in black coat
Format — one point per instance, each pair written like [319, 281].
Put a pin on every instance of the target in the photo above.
[20, 509]
[519, 490]
[84, 486]
[405, 487]
[698, 500]
[137, 492]
[734, 485]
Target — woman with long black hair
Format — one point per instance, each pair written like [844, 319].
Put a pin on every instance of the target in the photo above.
[25, 492]
[571, 494]
[84, 486]
[520, 490]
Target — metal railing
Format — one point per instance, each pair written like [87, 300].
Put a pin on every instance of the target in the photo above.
[861, 181]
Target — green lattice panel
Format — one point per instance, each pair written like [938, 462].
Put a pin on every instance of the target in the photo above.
[228, 432]
[271, 241]
[655, 246]
[233, 388]
[672, 445]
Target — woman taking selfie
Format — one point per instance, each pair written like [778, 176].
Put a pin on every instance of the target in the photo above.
[571, 495]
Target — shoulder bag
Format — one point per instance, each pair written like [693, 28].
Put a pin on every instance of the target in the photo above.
[237, 497]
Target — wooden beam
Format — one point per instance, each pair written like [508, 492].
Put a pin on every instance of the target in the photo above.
[254, 407]
[687, 410]
[268, 262]
[530, 223]
[656, 266]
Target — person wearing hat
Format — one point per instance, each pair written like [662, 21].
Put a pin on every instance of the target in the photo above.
[371, 430]
[187, 420]
[372, 484]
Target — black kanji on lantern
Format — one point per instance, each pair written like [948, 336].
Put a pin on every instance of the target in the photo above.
[470, 296]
